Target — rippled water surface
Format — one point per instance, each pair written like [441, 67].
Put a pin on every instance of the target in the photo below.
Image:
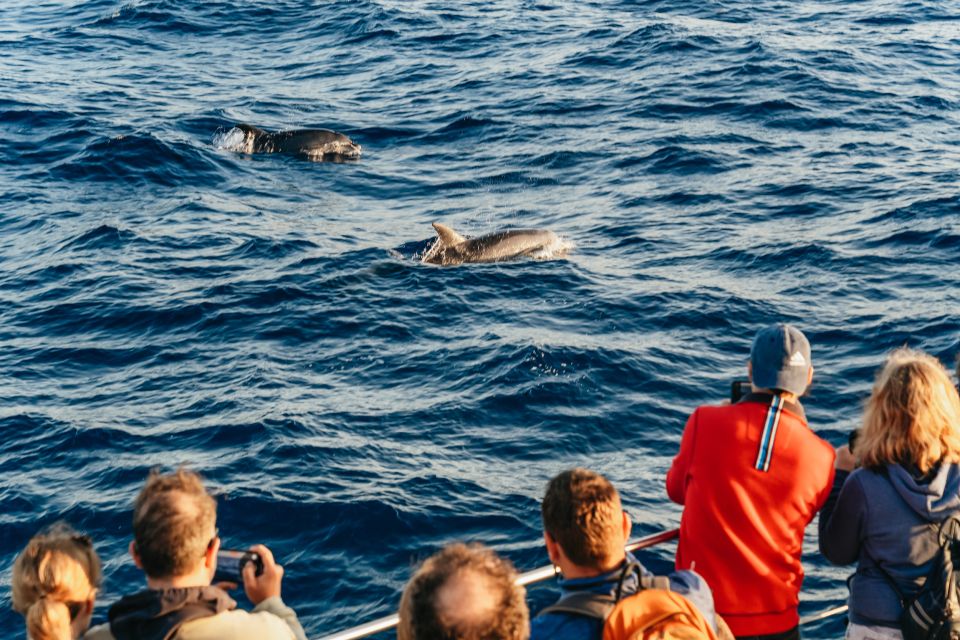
[716, 166]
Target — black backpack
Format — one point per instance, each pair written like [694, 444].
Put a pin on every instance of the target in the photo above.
[934, 612]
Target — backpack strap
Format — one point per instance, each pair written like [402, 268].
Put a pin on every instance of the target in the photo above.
[655, 582]
[599, 605]
[949, 529]
[584, 603]
[886, 576]
[934, 527]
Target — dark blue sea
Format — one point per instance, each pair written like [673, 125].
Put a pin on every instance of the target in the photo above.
[714, 166]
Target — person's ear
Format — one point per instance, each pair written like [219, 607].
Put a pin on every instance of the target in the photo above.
[809, 376]
[750, 371]
[627, 526]
[553, 548]
[133, 554]
[210, 556]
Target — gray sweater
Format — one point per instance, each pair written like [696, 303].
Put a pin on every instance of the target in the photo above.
[873, 517]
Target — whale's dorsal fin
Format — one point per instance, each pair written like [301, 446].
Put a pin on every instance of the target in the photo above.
[448, 236]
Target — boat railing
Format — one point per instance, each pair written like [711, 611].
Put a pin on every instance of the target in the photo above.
[539, 575]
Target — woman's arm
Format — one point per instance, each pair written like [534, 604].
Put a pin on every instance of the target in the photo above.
[842, 518]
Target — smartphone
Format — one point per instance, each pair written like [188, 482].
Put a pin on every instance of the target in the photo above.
[738, 389]
[230, 564]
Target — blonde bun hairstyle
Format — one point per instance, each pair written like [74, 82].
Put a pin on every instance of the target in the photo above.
[54, 578]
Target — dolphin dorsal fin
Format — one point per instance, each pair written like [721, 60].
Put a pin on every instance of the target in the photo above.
[448, 236]
[246, 128]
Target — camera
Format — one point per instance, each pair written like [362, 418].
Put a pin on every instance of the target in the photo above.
[852, 439]
[738, 389]
[230, 565]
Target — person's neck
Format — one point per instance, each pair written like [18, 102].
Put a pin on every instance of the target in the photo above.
[198, 578]
[572, 571]
[786, 395]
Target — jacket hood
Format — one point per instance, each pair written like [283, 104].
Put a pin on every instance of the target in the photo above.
[931, 498]
[157, 614]
[605, 583]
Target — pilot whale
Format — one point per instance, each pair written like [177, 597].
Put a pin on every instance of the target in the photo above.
[451, 248]
[313, 144]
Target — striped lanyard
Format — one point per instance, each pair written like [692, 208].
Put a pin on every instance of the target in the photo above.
[769, 434]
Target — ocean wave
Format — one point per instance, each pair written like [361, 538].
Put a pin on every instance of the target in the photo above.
[137, 159]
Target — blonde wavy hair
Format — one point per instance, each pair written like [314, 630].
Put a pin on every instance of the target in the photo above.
[54, 578]
[913, 414]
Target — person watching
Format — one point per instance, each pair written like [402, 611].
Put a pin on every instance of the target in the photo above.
[464, 592]
[751, 476]
[54, 584]
[175, 543]
[585, 530]
[879, 515]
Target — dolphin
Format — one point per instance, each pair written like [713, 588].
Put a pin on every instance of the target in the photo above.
[313, 144]
[452, 248]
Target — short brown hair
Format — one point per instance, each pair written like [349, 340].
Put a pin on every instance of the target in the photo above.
[581, 511]
[174, 520]
[913, 414]
[464, 574]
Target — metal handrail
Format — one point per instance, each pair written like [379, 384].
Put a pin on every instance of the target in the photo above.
[530, 577]
[827, 613]
[545, 573]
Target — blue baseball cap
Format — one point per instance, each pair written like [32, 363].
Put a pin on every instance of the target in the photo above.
[780, 359]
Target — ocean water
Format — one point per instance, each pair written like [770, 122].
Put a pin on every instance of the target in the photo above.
[714, 166]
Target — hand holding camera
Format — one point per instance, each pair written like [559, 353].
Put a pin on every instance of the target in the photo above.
[846, 460]
[266, 583]
[230, 564]
[255, 568]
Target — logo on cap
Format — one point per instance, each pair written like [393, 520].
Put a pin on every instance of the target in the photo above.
[797, 360]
